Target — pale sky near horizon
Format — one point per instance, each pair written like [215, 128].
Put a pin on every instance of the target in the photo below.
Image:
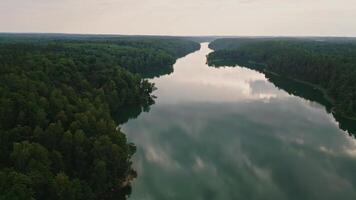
[181, 17]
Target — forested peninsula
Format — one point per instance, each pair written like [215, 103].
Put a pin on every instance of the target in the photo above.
[327, 63]
[58, 93]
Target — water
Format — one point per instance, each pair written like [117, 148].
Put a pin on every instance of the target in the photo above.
[229, 133]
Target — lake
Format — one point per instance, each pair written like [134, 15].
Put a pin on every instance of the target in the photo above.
[230, 133]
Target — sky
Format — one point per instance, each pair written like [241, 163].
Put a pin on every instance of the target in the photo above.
[181, 17]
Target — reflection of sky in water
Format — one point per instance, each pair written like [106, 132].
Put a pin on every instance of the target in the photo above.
[227, 133]
[194, 81]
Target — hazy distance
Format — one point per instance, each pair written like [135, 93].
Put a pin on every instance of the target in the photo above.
[181, 17]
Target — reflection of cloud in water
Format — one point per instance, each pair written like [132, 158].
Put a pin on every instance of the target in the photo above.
[265, 90]
[264, 87]
[221, 147]
[156, 155]
[194, 81]
[227, 133]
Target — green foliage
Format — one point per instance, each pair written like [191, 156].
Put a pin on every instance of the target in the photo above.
[329, 64]
[58, 138]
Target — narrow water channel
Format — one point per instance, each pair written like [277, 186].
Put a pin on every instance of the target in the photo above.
[229, 133]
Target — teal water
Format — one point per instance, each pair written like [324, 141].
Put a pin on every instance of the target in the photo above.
[229, 133]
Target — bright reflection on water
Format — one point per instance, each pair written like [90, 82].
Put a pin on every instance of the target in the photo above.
[228, 133]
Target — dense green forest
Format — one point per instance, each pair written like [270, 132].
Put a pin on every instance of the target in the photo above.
[58, 96]
[148, 56]
[236, 42]
[328, 63]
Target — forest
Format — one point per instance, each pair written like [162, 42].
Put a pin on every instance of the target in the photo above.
[58, 96]
[327, 63]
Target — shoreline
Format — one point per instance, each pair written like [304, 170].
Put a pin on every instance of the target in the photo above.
[249, 64]
[317, 87]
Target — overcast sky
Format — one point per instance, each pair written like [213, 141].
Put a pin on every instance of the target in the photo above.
[181, 17]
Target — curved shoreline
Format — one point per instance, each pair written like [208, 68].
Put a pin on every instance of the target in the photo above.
[250, 64]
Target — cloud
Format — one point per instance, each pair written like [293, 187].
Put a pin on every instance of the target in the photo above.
[183, 17]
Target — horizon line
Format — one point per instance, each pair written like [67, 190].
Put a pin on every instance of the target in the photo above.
[167, 35]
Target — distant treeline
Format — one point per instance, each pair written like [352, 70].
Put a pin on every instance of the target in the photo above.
[137, 54]
[233, 43]
[58, 138]
[329, 63]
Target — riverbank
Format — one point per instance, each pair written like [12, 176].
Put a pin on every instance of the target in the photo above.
[216, 123]
[261, 67]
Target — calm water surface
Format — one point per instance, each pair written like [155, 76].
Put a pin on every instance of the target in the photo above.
[228, 133]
